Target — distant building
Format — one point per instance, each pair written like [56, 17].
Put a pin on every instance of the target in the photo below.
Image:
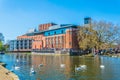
[87, 21]
[1, 37]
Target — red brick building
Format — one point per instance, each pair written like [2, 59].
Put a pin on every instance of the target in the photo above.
[51, 35]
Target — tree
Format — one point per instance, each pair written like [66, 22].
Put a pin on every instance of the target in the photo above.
[98, 35]
[1, 37]
[87, 38]
[1, 45]
[107, 32]
[2, 48]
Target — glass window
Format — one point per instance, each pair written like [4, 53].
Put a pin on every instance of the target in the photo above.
[62, 31]
[54, 32]
[48, 34]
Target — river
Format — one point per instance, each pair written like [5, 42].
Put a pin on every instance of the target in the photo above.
[56, 67]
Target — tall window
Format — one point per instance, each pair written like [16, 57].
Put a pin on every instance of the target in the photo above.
[51, 40]
[62, 31]
[56, 40]
[48, 34]
[54, 32]
[46, 40]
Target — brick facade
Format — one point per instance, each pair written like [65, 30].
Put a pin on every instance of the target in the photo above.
[53, 36]
[43, 27]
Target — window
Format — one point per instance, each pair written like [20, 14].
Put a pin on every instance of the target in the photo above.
[70, 32]
[54, 32]
[69, 43]
[51, 40]
[48, 34]
[86, 22]
[62, 31]
[61, 39]
[56, 40]
[46, 41]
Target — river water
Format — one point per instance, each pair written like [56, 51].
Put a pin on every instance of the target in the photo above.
[56, 67]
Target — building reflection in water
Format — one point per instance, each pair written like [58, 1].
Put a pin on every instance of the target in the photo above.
[22, 59]
[51, 65]
[51, 68]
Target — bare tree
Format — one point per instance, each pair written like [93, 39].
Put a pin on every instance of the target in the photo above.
[99, 35]
[107, 32]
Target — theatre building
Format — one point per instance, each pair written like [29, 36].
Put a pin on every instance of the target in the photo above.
[48, 36]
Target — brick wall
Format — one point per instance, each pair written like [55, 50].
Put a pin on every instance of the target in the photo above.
[43, 27]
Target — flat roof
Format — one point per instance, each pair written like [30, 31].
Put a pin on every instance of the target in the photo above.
[54, 27]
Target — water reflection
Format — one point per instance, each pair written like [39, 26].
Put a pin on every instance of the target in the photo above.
[51, 67]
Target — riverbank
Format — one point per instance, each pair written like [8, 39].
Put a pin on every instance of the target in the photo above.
[68, 54]
[114, 55]
[7, 75]
[34, 53]
[109, 55]
[3, 64]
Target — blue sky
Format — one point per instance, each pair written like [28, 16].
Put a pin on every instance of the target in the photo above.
[17, 16]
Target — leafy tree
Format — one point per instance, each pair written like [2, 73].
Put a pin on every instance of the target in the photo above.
[1, 37]
[87, 38]
[1, 45]
[2, 48]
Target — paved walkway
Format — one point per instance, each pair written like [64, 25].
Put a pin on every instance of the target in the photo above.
[7, 75]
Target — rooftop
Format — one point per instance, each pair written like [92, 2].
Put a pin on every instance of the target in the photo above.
[54, 27]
